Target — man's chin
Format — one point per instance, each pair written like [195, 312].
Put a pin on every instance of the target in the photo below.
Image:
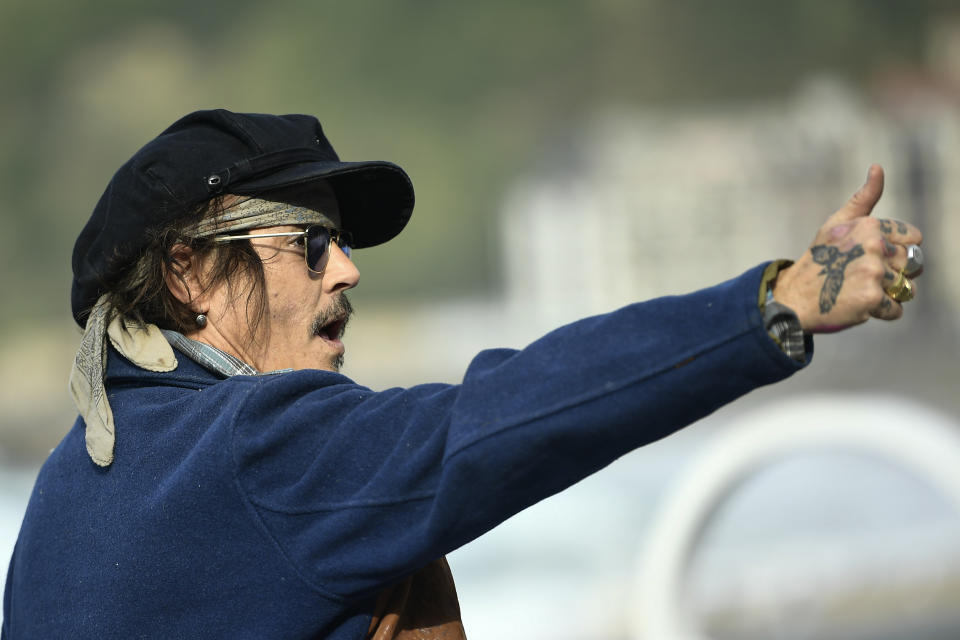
[331, 359]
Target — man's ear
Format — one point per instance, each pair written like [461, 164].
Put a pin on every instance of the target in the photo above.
[183, 274]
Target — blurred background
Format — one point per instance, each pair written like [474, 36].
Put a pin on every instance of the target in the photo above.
[569, 157]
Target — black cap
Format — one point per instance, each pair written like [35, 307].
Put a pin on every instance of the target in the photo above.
[208, 153]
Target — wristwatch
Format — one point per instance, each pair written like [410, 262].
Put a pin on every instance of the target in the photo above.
[783, 325]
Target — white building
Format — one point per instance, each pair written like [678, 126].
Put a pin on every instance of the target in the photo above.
[644, 204]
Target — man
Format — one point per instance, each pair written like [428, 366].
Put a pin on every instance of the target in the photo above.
[224, 480]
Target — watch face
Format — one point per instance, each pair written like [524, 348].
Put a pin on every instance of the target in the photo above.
[780, 318]
[779, 308]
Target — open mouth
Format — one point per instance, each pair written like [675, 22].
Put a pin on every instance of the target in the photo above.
[332, 322]
[332, 330]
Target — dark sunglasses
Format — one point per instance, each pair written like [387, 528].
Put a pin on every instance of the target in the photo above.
[316, 243]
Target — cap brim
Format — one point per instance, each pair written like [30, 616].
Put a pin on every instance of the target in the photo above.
[376, 198]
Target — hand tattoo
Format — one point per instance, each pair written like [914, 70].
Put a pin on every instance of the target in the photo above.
[834, 264]
[886, 226]
[889, 249]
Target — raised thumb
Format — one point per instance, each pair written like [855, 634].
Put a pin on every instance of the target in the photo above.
[862, 202]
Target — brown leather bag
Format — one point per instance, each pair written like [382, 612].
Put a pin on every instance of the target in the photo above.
[423, 606]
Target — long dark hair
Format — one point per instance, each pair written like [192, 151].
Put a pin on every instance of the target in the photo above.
[141, 293]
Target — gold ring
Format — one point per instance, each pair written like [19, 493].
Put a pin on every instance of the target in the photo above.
[902, 289]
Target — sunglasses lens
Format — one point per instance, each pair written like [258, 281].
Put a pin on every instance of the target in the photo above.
[317, 241]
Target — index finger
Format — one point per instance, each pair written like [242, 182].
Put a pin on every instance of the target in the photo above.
[900, 232]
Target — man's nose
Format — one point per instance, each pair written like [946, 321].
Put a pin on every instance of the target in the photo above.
[340, 273]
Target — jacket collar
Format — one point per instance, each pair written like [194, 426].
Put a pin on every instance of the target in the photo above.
[187, 372]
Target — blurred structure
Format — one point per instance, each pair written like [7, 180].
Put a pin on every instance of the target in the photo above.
[644, 204]
[872, 570]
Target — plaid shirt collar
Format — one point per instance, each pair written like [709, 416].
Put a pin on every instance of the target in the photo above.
[212, 358]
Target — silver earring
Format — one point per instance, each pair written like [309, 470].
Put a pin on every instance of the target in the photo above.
[201, 320]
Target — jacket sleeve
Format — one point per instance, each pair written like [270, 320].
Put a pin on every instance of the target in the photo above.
[360, 488]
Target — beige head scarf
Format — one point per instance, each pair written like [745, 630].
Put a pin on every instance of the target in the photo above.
[144, 345]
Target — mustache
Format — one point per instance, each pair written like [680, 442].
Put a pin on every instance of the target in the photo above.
[335, 317]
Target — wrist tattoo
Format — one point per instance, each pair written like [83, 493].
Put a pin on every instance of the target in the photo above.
[834, 264]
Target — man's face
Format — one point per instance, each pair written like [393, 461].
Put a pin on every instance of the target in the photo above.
[305, 313]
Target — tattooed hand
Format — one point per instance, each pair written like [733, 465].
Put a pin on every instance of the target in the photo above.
[840, 280]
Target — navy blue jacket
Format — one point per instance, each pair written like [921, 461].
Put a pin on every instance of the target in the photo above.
[279, 506]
